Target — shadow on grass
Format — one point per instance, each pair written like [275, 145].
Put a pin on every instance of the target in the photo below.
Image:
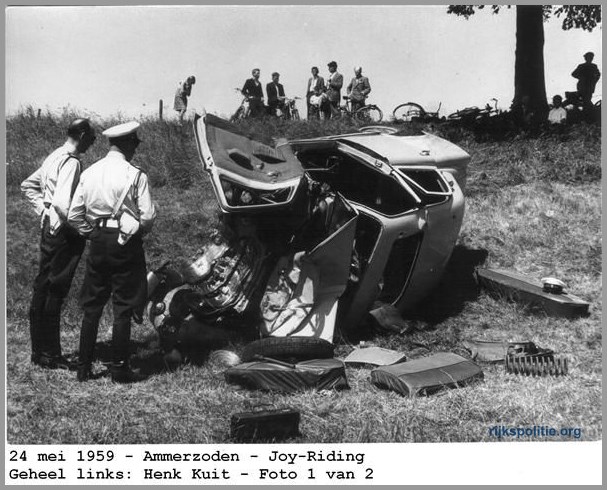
[457, 287]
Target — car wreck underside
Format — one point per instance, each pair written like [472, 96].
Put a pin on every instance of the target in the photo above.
[314, 234]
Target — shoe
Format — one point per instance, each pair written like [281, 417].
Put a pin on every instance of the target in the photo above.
[122, 373]
[52, 362]
[84, 373]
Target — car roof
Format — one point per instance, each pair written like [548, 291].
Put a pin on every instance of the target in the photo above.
[424, 149]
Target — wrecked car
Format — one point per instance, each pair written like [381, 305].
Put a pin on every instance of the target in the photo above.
[315, 233]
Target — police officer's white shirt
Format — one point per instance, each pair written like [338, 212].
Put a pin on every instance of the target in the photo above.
[100, 188]
[50, 188]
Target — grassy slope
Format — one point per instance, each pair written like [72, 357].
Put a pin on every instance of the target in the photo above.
[533, 206]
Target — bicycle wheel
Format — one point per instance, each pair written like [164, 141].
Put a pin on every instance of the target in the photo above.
[407, 112]
[467, 113]
[369, 113]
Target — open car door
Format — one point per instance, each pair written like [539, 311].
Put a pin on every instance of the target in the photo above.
[247, 175]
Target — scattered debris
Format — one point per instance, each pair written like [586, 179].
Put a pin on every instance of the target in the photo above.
[487, 350]
[528, 359]
[265, 425]
[291, 349]
[273, 375]
[549, 297]
[387, 317]
[224, 358]
[427, 375]
[373, 356]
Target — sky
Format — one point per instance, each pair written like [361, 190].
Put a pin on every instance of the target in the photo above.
[105, 61]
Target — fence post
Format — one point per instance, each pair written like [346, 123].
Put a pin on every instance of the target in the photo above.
[160, 109]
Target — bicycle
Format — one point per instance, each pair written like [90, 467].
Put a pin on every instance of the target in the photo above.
[288, 110]
[471, 114]
[243, 111]
[413, 112]
[367, 113]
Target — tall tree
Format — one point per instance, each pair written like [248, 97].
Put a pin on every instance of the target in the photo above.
[529, 81]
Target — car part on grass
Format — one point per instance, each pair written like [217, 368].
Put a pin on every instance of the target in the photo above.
[224, 358]
[487, 350]
[540, 365]
[528, 359]
[265, 425]
[373, 356]
[387, 317]
[271, 375]
[291, 349]
[523, 289]
[427, 375]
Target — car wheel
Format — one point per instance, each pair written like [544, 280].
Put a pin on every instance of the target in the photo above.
[289, 349]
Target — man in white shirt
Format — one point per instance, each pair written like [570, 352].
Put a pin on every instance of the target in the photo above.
[315, 88]
[558, 114]
[113, 208]
[50, 189]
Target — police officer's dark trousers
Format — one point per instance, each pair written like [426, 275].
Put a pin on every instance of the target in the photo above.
[116, 271]
[59, 257]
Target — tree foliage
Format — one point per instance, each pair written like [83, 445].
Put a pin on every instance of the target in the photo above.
[585, 17]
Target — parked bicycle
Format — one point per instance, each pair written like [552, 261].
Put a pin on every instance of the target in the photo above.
[470, 114]
[243, 110]
[413, 112]
[367, 113]
[288, 109]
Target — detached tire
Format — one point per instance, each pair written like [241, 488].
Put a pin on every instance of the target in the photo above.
[289, 349]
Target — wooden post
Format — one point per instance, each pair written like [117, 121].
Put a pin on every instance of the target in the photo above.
[160, 109]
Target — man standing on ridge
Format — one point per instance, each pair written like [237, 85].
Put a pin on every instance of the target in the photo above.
[335, 81]
[50, 190]
[314, 90]
[587, 75]
[181, 97]
[253, 91]
[358, 89]
[276, 94]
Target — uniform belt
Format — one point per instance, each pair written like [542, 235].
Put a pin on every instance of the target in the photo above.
[108, 223]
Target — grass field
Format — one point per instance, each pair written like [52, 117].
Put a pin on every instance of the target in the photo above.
[533, 206]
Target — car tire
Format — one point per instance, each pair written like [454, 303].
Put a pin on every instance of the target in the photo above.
[289, 349]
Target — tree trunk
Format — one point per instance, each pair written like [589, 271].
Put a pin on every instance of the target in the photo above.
[529, 81]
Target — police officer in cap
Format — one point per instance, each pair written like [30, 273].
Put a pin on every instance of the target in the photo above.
[50, 189]
[113, 208]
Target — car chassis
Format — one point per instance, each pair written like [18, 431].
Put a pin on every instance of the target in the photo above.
[315, 232]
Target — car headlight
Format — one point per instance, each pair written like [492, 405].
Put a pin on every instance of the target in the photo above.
[158, 308]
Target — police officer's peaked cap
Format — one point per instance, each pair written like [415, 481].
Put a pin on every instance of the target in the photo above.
[79, 126]
[122, 130]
